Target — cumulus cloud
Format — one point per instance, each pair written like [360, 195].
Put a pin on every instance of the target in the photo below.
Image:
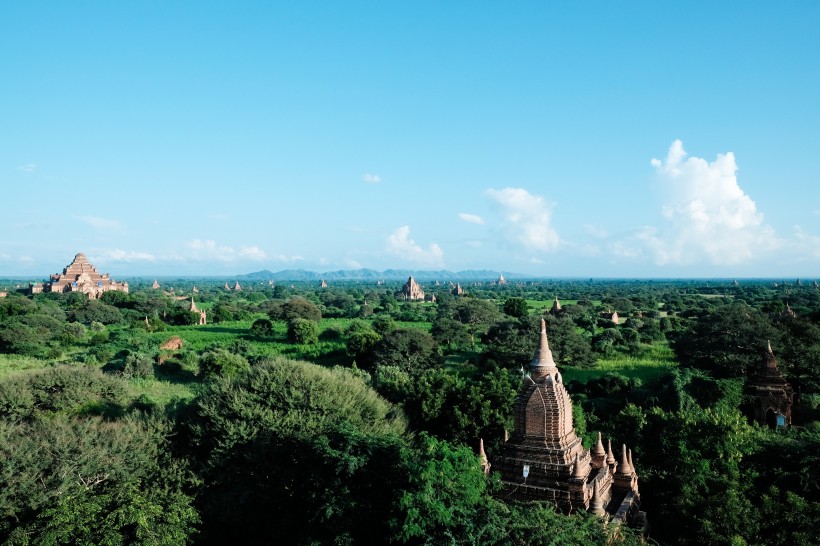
[288, 259]
[471, 218]
[400, 244]
[100, 223]
[526, 219]
[806, 244]
[708, 214]
[371, 178]
[209, 250]
[596, 231]
[117, 255]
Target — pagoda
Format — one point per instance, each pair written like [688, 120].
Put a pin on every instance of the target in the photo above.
[772, 395]
[412, 291]
[201, 312]
[79, 276]
[544, 459]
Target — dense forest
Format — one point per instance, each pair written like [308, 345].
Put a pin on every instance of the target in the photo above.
[344, 415]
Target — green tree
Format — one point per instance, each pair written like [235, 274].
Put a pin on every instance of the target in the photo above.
[297, 308]
[409, 349]
[316, 459]
[475, 313]
[516, 307]
[728, 340]
[262, 328]
[303, 331]
[219, 362]
[91, 481]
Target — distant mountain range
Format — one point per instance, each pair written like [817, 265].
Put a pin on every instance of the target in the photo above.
[373, 275]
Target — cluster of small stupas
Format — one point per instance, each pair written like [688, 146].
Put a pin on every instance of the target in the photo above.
[544, 459]
[79, 276]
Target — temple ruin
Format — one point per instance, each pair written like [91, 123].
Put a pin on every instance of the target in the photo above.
[79, 276]
[202, 315]
[545, 460]
[412, 291]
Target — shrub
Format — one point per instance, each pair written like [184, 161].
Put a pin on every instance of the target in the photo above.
[303, 331]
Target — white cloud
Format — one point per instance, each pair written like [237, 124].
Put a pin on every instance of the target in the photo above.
[252, 253]
[288, 259]
[100, 223]
[27, 168]
[117, 255]
[709, 216]
[526, 219]
[352, 264]
[596, 231]
[400, 244]
[371, 178]
[806, 244]
[209, 250]
[471, 218]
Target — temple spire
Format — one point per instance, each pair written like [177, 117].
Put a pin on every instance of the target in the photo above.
[543, 363]
[610, 456]
[624, 467]
[770, 360]
[597, 506]
[482, 455]
[578, 468]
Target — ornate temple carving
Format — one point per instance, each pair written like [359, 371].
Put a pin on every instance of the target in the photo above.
[79, 276]
[544, 459]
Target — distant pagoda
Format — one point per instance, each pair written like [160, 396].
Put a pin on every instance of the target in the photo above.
[412, 291]
[79, 276]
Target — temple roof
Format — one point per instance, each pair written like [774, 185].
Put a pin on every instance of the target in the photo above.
[543, 363]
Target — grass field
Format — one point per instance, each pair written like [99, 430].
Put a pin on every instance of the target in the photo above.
[649, 363]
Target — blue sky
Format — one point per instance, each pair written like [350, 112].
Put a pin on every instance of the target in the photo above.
[549, 138]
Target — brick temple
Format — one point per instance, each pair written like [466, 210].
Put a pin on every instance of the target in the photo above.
[412, 291]
[544, 459]
[772, 396]
[79, 276]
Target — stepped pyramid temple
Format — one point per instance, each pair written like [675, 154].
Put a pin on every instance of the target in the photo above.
[79, 276]
[772, 395]
[412, 291]
[545, 460]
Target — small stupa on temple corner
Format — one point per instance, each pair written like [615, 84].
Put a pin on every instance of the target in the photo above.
[544, 458]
